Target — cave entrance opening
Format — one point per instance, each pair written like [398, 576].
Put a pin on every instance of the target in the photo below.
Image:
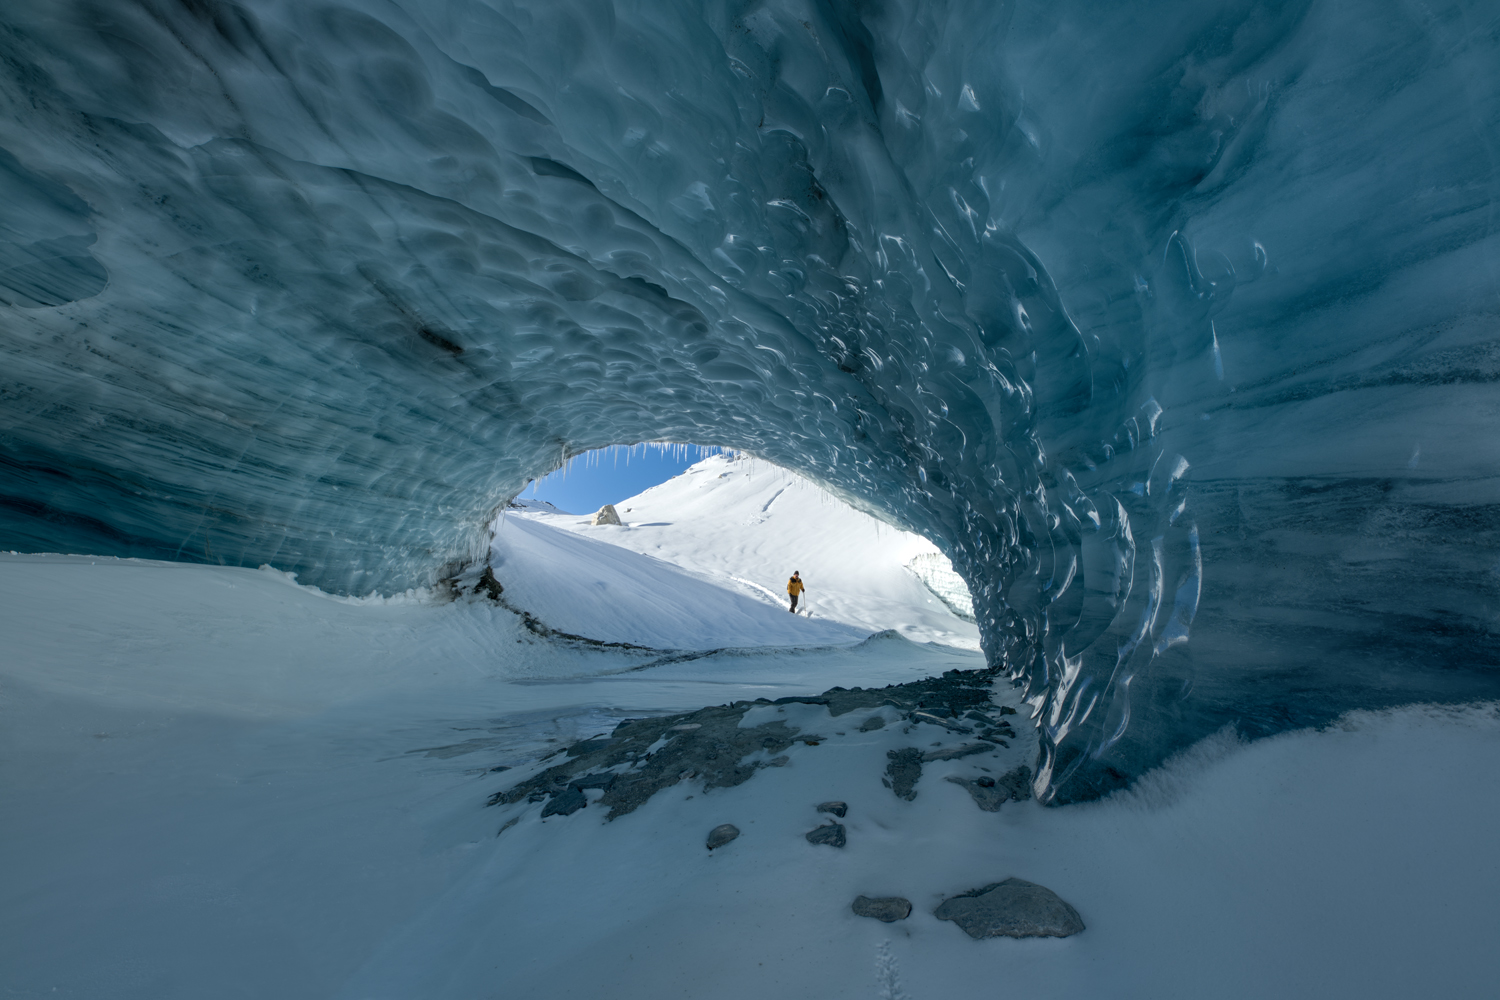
[587, 481]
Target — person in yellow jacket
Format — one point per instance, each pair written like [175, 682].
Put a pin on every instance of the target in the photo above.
[794, 588]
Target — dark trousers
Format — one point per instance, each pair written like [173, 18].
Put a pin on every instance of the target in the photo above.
[794, 602]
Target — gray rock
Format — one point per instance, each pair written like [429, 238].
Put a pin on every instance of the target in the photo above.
[1013, 908]
[566, 802]
[886, 908]
[902, 771]
[831, 834]
[871, 724]
[839, 809]
[606, 515]
[722, 834]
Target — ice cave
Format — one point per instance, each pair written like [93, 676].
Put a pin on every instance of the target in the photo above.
[1174, 326]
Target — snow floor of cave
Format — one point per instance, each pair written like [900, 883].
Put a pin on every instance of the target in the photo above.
[220, 784]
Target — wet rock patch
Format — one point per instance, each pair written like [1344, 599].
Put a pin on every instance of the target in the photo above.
[839, 809]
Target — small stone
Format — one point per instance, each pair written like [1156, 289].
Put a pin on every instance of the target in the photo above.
[886, 908]
[831, 834]
[1013, 908]
[871, 724]
[722, 834]
[839, 809]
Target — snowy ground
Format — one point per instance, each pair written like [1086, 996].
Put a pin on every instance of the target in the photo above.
[220, 784]
[705, 563]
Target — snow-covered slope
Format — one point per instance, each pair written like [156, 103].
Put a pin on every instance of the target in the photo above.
[702, 561]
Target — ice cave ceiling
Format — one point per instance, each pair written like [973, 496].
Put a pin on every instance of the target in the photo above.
[1174, 323]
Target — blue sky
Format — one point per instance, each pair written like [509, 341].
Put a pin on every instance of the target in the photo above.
[609, 475]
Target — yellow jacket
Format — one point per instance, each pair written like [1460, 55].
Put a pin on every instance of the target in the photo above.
[794, 586]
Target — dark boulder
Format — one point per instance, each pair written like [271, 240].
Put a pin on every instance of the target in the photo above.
[1013, 908]
[566, 802]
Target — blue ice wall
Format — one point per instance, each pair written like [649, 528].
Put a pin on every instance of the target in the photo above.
[1174, 324]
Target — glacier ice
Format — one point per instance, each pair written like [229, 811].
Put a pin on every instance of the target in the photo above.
[1172, 325]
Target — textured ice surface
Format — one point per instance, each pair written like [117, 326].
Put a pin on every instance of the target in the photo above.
[1151, 317]
[936, 573]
